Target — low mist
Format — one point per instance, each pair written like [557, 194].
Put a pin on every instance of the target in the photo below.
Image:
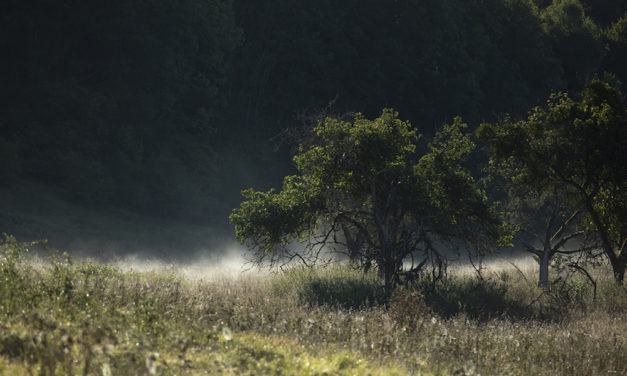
[205, 265]
[232, 262]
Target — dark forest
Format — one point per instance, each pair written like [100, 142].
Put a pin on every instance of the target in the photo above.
[170, 109]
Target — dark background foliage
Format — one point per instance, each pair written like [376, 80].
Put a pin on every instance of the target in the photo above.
[171, 108]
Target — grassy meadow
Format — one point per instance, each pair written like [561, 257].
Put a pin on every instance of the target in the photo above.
[59, 317]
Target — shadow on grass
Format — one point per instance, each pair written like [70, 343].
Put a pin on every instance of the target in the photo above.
[476, 298]
[347, 288]
[346, 294]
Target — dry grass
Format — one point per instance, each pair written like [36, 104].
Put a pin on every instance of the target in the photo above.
[68, 319]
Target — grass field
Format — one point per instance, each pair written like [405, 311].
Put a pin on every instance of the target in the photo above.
[58, 317]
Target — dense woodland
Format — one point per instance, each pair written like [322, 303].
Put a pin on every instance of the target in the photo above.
[171, 108]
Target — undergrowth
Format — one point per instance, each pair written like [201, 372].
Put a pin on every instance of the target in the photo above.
[64, 318]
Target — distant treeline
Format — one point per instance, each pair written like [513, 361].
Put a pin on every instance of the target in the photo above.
[168, 107]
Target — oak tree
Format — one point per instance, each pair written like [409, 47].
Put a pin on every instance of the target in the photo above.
[364, 189]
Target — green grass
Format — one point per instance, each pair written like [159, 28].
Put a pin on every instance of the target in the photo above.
[342, 286]
[65, 318]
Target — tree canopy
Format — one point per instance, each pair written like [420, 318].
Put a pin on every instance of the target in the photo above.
[364, 189]
[577, 147]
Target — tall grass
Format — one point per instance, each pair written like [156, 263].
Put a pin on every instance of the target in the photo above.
[79, 318]
[337, 285]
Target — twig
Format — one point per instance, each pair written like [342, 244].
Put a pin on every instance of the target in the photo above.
[592, 281]
[519, 271]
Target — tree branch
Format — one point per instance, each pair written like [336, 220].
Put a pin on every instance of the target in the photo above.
[532, 234]
[566, 224]
[564, 240]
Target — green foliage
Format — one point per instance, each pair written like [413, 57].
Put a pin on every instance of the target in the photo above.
[604, 12]
[364, 190]
[452, 190]
[574, 147]
[615, 38]
[349, 153]
[268, 216]
[576, 40]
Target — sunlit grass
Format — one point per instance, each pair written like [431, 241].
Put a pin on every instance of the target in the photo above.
[68, 318]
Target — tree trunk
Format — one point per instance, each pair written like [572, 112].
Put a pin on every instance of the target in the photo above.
[617, 261]
[386, 270]
[619, 270]
[545, 259]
